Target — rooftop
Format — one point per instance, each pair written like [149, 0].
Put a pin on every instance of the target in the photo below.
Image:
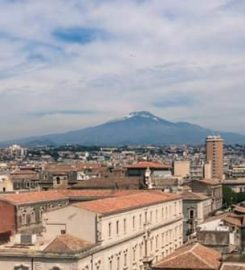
[32, 197]
[148, 164]
[67, 244]
[211, 182]
[192, 196]
[96, 193]
[233, 219]
[128, 202]
[191, 257]
[239, 209]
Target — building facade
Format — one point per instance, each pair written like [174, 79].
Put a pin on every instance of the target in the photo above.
[214, 155]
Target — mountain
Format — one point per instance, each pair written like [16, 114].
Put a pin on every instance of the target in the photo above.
[138, 128]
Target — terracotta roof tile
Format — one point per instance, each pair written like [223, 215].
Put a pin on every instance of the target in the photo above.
[32, 197]
[67, 244]
[240, 209]
[149, 164]
[187, 195]
[191, 257]
[96, 193]
[237, 221]
[211, 182]
[128, 202]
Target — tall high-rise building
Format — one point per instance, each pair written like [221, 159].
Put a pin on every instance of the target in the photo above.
[214, 155]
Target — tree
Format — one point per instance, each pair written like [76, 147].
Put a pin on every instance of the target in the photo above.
[229, 197]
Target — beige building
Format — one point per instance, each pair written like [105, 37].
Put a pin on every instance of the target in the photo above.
[236, 185]
[123, 233]
[207, 170]
[196, 208]
[214, 154]
[182, 168]
[6, 185]
[210, 188]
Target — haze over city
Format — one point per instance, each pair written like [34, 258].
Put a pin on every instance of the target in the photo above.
[71, 64]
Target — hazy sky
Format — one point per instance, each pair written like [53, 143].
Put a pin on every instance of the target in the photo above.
[67, 64]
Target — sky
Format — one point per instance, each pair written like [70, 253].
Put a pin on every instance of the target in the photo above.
[65, 65]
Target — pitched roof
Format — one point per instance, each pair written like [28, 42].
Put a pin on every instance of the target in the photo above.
[211, 182]
[235, 220]
[24, 174]
[191, 257]
[109, 183]
[193, 196]
[128, 202]
[58, 167]
[32, 197]
[96, 193]
[240, 209]
[148, 164]
[67, 244]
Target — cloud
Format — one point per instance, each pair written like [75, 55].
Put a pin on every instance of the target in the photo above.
[178, 101]
[80, 35]
[182, 60]
[61, 112]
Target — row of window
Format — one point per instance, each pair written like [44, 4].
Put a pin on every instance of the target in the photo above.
[166, 243]
[142, 220]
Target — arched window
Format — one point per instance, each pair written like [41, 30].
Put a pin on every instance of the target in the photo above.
[58, 180]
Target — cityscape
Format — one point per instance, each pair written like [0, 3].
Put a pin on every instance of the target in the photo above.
[122, 138]
[125, 207]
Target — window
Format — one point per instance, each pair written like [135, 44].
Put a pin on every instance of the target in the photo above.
[162, 239]
[28, 219]
[23, 219]
[141, 250]
[109, 229]
[133, 222]
[191, 213]
[151, 243]
[125, 226]
[33, 220]
[125, 258]
[117, 227]
[140, 221]
[157, 242]
[118, 263]
[156, 215]
[58, 180]
[134, 253]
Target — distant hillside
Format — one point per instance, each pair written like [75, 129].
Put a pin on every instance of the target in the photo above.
[138, 128]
